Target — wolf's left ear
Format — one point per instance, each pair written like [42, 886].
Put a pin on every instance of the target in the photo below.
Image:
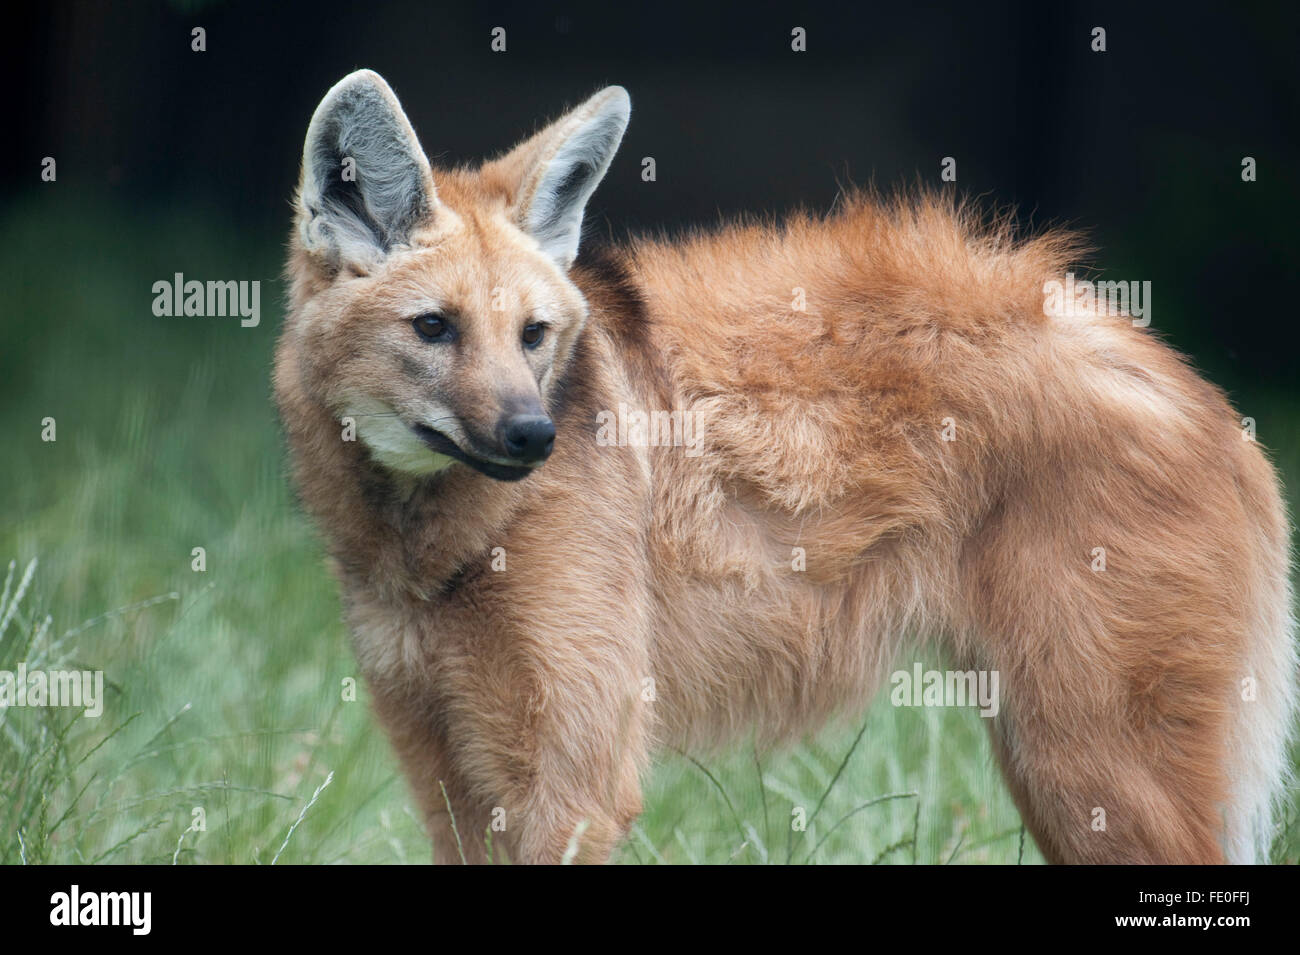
[365, 180]
[551, 176]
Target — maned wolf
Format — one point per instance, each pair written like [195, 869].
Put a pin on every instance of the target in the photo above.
[775, 457]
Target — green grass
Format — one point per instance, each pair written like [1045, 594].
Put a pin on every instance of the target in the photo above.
[225, 686]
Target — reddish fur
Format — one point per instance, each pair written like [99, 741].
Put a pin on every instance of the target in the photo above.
[522, 689]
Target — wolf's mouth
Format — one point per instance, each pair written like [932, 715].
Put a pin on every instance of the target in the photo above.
[439, 442]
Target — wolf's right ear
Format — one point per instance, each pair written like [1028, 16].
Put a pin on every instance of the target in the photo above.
[365, 180]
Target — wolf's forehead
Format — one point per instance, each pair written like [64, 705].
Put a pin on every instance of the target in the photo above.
[472, 232]
[474, 252]
[465, 272]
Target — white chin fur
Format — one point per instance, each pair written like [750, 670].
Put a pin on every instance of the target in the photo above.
[391, 442]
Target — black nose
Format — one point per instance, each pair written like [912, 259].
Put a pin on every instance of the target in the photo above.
[528, 437]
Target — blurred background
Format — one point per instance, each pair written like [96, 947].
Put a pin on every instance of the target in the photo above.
[173, 160]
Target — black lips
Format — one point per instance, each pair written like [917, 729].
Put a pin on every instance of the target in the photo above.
[439, 442]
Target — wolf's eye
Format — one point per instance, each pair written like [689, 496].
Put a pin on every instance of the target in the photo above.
[432, 327]
[533, 334]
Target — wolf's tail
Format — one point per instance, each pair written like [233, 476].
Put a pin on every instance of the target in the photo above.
[1259, 762]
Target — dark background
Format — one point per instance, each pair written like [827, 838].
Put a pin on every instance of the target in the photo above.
[1139, 146]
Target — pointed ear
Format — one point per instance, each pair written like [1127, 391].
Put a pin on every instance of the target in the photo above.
[551, 176]
[365, 179]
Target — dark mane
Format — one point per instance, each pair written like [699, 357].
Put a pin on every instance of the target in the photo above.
[603, 275]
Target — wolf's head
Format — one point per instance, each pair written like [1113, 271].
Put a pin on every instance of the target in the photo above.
[436, 310]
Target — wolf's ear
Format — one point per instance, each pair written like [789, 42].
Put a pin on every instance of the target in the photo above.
[365, 179]
[551, 176]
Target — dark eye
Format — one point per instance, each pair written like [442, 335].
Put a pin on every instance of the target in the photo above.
[533, 334]
[432, 327]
